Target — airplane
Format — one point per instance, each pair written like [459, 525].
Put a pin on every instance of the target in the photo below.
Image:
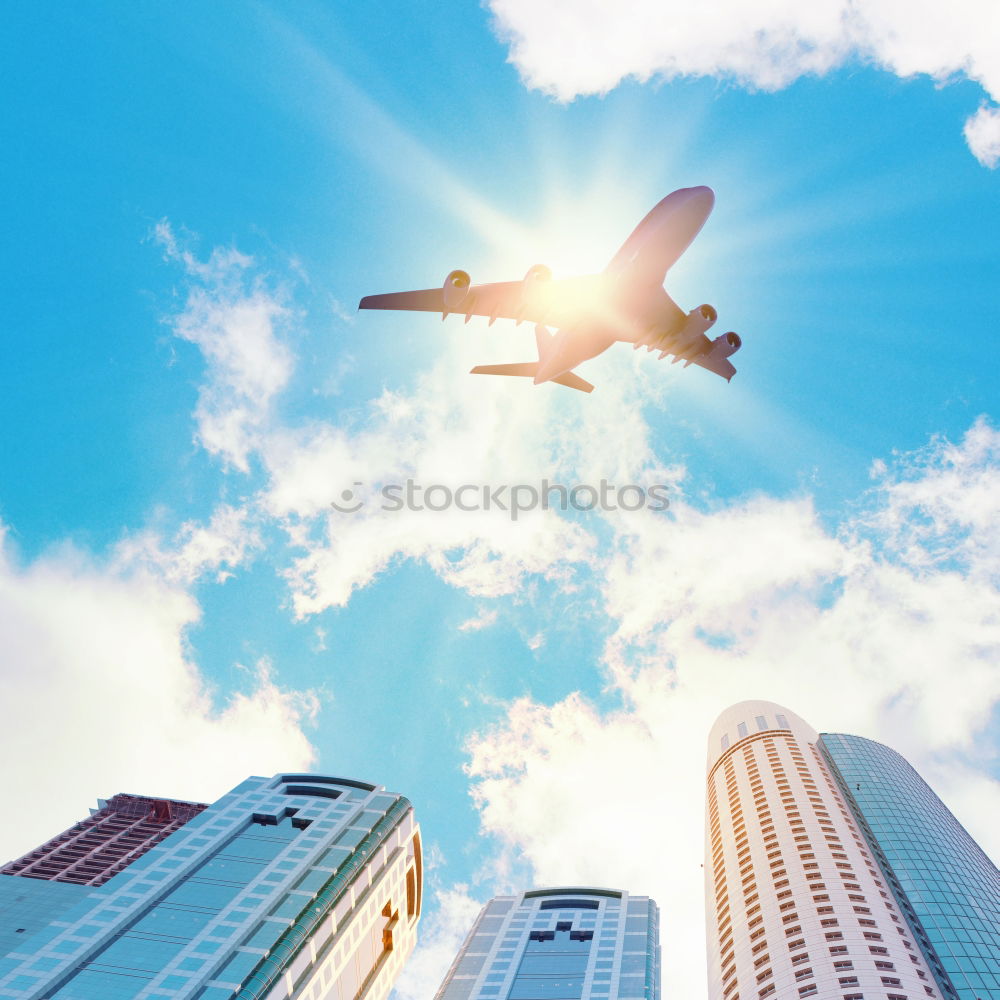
[626, 302]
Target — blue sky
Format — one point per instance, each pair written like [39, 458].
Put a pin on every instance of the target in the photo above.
[196, 198]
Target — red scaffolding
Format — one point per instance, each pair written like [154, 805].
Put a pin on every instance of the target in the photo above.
[110, 839]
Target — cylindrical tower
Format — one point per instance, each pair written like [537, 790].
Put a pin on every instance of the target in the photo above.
[796, 904]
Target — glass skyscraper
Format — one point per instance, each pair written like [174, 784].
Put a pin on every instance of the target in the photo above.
[946, 886]
[299, 886]
[568, 943]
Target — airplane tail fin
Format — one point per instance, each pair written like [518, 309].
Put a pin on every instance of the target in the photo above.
[527, 369]
[543, 341]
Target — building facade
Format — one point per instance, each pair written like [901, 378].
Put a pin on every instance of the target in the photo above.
[797, 904]
[298, 886]
[568, 943]
[947, 888]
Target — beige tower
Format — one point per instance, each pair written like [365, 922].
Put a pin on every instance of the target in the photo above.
[796, 906]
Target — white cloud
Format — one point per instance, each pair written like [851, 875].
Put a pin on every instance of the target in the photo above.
[568, 48]
[982, 133]
[233, 322]
[220, 546]
[939, 507]
[102, 696]
[886, 627]
[485, 619]
[450, 431]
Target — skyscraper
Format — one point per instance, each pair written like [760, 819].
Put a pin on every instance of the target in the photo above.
[797, 905]
[948, 889]
[567, 943]
[301, 886]
[114, 835]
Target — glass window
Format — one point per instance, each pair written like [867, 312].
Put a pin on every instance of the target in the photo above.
[634, 965]
[547, 989]
[555, 964]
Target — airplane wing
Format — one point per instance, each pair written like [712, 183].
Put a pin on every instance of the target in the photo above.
[559, 302]
[721, 366]
[700, 353]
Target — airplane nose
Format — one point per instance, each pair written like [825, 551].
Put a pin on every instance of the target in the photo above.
[703, 196]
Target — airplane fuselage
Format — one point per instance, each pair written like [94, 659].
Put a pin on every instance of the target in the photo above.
[634, 304]
[630, 313]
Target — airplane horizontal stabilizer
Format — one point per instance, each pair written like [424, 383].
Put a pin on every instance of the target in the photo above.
[527, 368]
[574, 382]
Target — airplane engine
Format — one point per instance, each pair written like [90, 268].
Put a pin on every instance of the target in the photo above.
[534, 284]
[456, 291]
[697, 322]
[724, 345]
